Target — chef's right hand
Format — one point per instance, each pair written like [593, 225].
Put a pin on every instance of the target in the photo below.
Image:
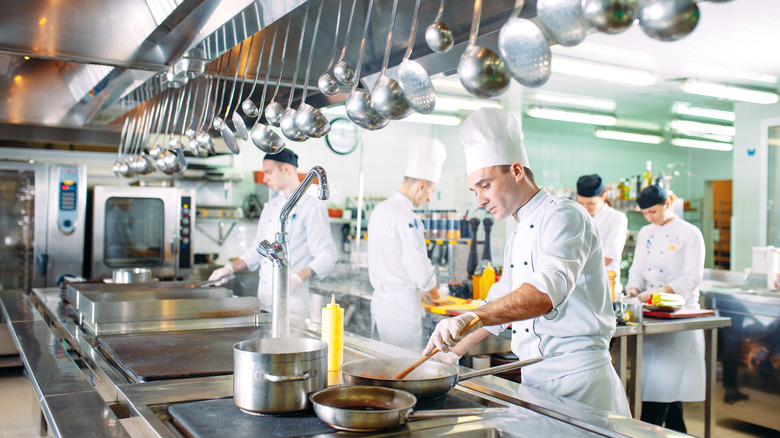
[633, 292]
[448, 332]
[222, 274]
[449, 357]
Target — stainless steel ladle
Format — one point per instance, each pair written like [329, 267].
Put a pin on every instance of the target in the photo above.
[481, 71]
[326, 82]
[273, 111]
[438, 35]
[238, 122]
[287, 122]
[249, 107]
[263, 136]
[342, 71]
[416, 85]
[564, 19]
[386, 97]
[668, 20]
[358, 104]
[610, 16]
[524, 49]
[308, 119]
[224, 130]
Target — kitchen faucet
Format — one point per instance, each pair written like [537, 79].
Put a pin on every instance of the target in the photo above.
[279, 254]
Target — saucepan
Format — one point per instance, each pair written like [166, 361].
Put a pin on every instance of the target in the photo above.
[368, 408]
[428, 381]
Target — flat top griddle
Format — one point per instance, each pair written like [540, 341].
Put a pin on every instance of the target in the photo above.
[222, 418]
[177, 355]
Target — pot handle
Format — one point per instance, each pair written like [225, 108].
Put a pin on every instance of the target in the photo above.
[505, 367]
[279, 379]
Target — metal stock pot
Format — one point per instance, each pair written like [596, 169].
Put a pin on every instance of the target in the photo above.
[276, 375]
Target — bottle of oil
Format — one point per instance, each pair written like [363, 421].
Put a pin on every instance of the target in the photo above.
[333, 333]
[647, 177]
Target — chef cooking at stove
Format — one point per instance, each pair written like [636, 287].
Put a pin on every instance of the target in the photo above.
[553, 291]
[398, 265]
[312, 250]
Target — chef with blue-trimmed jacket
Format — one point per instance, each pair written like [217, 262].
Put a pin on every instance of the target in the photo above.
[398, 265]
[553, 288]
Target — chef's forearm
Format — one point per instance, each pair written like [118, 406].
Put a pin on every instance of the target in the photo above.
[304, 273]
[525, 302]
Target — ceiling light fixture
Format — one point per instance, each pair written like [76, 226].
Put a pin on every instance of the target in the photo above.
[688, 126]
[729, 92]
[454, 104]
[603, 72]
[574, 101]
[685, 109]
[635, 137]
[702, 144]
[570, 116]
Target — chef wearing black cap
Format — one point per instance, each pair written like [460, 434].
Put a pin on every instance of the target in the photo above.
[669, 257]
[612, 224]
[311, 244]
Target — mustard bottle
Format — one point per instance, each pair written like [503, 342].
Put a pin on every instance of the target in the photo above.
[333, 333]
[487, 280]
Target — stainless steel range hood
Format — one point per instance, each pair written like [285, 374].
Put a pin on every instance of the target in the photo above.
[85, 56]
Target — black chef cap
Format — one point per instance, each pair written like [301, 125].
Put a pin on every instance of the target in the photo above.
[650, 196]
[589, 186]
[283, 156]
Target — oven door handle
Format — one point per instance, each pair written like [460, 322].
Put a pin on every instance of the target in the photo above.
[175, 251]
[43, 261]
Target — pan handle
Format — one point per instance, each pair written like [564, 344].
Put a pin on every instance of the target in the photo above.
[439, 413]
[506, 367]
[279, 379]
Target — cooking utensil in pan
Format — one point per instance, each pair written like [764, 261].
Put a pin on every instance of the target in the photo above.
[406, 372]
[210, 283]
[430, 380]
[368, 408]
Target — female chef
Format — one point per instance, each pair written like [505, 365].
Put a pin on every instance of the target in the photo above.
[669, 257]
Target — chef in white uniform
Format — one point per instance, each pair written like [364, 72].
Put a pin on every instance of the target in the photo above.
[398, 265]
[612, 224]
[553, 288]
[311, 246]
[669, 257]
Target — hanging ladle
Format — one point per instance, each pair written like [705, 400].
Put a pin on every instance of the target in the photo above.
[342, 71]
[524, 49]
[326, 82]
[386, 97]
[124, 166]
[238, 122]
[273, 111]
[155, 150]
[414, 81]
[190, 132]
[143, 164]
[204, 139]
[438, 35]
[122, 139]
[564, 19]
[262, 136]
[481, 71]
[224, 130]
[249, 107]
[308, 119]
[358, 103]
[287, 122]
[160, 161]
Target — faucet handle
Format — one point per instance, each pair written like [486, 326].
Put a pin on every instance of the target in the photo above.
[264, 249]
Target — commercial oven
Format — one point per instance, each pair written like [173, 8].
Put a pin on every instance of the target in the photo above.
[142, 227]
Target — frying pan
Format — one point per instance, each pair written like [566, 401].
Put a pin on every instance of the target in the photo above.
[368, 408]
[429, 380]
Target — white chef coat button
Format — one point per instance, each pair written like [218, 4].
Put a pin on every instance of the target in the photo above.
[525, 263]
[514, 331]
[511, 266]
[532, 226]
[526, 330]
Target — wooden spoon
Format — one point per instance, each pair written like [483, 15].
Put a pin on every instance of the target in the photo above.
[420, 361]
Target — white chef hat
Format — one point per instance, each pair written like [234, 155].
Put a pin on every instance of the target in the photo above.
[492, 137]
[426, 157]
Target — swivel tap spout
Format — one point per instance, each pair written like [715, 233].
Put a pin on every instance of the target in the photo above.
[279, 255]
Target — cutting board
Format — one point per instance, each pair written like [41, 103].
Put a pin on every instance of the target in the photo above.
[453, 306]
[682, 313]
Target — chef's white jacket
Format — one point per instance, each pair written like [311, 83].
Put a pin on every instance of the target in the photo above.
[555, 248]
[310, 245]
[612, 226]
[399, 271]
[672, 363]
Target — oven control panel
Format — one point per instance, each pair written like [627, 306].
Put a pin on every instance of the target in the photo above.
[67, 210]
[185, 232]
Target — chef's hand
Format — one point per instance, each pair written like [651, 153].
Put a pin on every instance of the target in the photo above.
[449, 357]
[295, 281]
[447, 332]
[632, 292]
[646, 295]
[222, 273]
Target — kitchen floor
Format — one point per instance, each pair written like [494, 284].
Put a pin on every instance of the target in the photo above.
[20, 413]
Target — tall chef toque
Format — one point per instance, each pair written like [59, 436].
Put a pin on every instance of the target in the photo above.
[426, 156]
[492, 137]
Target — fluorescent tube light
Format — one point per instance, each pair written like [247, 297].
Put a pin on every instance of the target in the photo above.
[702, 144]
[639, 125]
[628, 136]
[684, 108]
[688, 126]
[570, 116]
[575, 101]
[729, 92]
[603, 72]
[454, 104]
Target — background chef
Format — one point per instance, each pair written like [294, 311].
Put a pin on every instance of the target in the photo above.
[553, 288]
[311, 246]
[612, 224]
[669, 257]
[398, 265]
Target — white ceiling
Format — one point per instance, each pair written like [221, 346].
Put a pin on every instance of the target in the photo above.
[732, 37]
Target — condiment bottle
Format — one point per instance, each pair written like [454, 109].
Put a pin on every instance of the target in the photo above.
[487, 280]
[333, 333]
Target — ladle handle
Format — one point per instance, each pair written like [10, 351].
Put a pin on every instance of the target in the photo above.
[475, 21]
[413, 33]
[420, 361]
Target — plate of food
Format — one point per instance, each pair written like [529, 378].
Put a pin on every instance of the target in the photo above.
[661, 308]
[664, 302]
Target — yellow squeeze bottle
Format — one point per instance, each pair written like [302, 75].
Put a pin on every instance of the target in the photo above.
[487, 280]
[333, 333]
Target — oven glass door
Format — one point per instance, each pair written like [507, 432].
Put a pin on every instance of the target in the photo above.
[134, 232]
